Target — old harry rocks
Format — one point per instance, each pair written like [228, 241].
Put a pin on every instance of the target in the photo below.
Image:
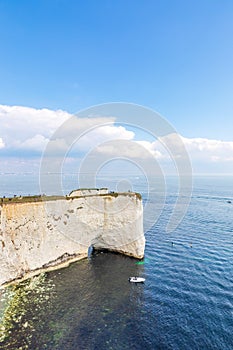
[39, 233]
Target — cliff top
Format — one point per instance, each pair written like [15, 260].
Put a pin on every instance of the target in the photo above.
[41, 198]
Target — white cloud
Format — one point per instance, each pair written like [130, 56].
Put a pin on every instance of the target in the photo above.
[29, 129]
[133, 149]
[2, 145]
[26, 120]
[209, 150]
[153, 147]
[36, 143]
[99, 135]
[206, 156]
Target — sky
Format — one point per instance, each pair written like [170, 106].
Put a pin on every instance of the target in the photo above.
[175, 57]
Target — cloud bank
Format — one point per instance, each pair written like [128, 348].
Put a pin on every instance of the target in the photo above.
[25, 132]
[25, 129]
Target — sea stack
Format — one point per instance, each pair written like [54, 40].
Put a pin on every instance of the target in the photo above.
[39, 233]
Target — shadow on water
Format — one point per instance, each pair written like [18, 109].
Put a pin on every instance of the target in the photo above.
[89, 305]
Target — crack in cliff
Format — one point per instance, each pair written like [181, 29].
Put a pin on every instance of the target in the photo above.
[22, 225]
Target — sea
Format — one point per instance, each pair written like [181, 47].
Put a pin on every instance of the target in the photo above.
[185, 303]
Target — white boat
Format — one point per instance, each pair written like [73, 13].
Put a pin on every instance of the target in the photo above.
[137, 279]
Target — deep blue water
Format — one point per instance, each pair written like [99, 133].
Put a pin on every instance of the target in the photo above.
[186, 301]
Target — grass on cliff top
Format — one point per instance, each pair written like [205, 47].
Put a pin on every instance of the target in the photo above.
[42, 198]
[28, 199]
[116, 194]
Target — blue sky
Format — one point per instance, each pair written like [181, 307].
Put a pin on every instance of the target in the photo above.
[172, 56]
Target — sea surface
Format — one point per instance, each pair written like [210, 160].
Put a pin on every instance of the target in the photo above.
[186, 302]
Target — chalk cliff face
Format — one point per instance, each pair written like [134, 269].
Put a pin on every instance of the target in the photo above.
[38, 235]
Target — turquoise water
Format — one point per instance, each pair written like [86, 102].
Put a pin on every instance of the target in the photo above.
[186, 301]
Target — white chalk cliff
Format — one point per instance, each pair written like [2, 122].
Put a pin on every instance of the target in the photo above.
[36, 235]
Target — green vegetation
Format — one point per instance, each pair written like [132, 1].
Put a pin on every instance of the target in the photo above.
[42, 198]
[130, 194]
[28, 199]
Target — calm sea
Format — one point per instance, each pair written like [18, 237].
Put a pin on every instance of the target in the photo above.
[185, 303]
